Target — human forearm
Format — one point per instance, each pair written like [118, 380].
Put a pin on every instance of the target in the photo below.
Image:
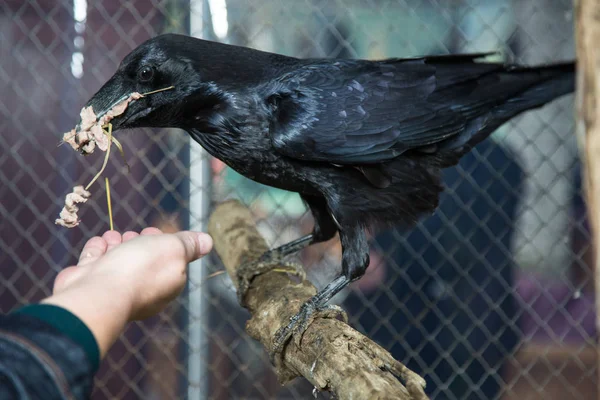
[105, 314]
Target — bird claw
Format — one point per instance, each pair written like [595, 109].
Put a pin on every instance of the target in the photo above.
[300, 322]
[269, 261]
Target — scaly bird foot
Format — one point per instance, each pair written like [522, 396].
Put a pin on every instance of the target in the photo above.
[269, 261]
[300, 322]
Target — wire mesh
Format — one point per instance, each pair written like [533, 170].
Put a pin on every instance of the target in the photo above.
[491, 297]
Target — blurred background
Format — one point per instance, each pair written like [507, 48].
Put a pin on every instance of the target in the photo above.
[490, 298]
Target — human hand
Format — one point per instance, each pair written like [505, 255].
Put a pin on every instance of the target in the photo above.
[126, 277]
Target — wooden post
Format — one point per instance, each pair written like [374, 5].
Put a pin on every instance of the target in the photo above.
[588, 118]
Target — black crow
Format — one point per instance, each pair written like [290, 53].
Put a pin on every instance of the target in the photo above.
[361, 141]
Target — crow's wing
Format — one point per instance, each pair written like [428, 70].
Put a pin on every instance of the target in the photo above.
[360, 112]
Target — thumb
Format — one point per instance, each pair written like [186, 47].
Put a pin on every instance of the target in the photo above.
[195, 244]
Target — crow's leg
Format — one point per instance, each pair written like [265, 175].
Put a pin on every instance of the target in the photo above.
[355, 260]
[324, 229]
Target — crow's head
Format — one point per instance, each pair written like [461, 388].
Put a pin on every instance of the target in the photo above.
[164, 61]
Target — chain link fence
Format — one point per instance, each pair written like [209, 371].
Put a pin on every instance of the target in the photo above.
[490, 298]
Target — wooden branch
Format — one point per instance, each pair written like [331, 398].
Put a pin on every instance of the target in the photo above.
[332, 356]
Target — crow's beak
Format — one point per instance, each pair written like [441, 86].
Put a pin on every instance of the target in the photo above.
[110, 94]
[102, 111]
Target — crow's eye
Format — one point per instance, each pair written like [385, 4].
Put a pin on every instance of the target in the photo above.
[145, 74]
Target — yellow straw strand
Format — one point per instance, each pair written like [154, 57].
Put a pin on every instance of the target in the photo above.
[105, 158]
[213, 275]
[110, 217]
[120, 147]
[158, 90]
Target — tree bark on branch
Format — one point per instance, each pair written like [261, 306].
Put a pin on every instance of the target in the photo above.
[332, 356]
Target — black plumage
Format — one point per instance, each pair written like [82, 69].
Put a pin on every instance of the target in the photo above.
[362, 142]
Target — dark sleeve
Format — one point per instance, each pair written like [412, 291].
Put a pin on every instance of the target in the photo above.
[46, 353]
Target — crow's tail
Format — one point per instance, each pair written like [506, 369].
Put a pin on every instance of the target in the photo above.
[542, 85]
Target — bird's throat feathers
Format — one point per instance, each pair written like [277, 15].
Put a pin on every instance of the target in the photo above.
[223, 120]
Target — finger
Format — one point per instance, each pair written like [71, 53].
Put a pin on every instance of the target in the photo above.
[150, 231]
[196, 244]
[92, 250]
[113, 239]
[127, 236]
[206, 243]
